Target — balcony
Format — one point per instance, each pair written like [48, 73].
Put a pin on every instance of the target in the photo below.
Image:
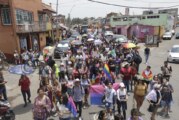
[34, 27]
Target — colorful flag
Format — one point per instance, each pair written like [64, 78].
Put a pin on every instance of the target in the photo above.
[97, 92]
[107, 72]
[73, 107]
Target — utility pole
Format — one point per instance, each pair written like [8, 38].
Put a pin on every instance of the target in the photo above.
[57, 8]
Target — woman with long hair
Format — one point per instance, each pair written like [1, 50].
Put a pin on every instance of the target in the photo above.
[42, 106]
[140, 91]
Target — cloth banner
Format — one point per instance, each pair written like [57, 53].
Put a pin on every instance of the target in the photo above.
[97, 92]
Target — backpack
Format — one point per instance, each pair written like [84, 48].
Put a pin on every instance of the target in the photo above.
[137, 58]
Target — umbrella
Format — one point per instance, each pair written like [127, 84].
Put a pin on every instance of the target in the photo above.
[84, 35]
[76, 42]
[98, 42]
[47, 49]
[90, 40]
[129, 45]
[21, 69]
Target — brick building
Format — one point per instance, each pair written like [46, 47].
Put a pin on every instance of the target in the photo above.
[24, 24]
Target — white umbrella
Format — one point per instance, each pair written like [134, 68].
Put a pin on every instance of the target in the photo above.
[90, 40]
[98, 42]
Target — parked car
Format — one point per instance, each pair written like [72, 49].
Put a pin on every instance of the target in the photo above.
[167, 36]
[177, 36]
[108, 33]
[173, 55]
[61, 49]
[120, 38]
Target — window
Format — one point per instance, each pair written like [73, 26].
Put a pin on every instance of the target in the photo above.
[23, 16]
[6, 19]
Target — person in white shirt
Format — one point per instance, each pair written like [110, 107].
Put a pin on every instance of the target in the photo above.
[122, 99]
[110, 95]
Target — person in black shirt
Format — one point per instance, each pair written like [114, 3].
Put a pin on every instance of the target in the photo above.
[146, 53]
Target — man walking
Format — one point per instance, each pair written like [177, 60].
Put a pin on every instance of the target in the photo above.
[78, 94]
[146, 53]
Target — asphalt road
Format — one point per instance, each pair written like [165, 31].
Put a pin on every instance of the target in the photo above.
[158, 55]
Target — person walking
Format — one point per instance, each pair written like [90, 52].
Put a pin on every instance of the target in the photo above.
[110, 95]
[147, 54]
[125, 73]
[147, 75]
[42, 106]
[122, 99]
[140, 91]
[166, 92]
[154, 98]
[78, 94]
[24, 82]
[166, 70]
[3, 86]
[16, 57]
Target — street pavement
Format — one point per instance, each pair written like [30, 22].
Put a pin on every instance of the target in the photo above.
[158, 56]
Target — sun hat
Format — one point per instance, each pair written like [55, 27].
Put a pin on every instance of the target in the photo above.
[124, 64]
[77, 80]
[121, 85]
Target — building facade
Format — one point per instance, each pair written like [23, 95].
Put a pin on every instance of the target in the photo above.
[163, 20]
[24, 25]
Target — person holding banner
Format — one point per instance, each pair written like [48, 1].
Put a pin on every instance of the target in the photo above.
[122, 99]
[110, 95]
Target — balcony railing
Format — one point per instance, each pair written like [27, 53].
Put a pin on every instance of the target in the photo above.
[34, 27]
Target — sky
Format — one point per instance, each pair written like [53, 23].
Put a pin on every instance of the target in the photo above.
[85, 8]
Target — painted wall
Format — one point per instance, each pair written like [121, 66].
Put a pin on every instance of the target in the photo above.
[162, 20]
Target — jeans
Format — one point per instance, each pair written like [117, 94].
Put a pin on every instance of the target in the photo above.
[4, 93]
[146, 57]
[79, 107]
[126, 83]
[24, 95]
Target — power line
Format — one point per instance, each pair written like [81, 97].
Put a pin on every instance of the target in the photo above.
[117, 5]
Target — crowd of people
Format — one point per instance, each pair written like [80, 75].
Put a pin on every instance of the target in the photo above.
[64, 88]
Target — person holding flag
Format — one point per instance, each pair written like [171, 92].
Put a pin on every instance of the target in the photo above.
[107, 72]
[147, 75]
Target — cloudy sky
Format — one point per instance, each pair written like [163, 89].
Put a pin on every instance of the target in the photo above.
[85, 8]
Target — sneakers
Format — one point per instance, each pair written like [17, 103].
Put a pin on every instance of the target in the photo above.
[128, 94]
[29, 101]
[80, 118]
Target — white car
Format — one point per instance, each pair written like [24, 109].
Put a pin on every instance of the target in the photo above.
[167, 36]
[108, 33]
[173, 54]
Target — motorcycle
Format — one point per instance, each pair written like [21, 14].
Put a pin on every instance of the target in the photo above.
[5, 111]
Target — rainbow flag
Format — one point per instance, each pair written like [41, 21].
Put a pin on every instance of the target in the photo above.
[107, 72]
[97, 92]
